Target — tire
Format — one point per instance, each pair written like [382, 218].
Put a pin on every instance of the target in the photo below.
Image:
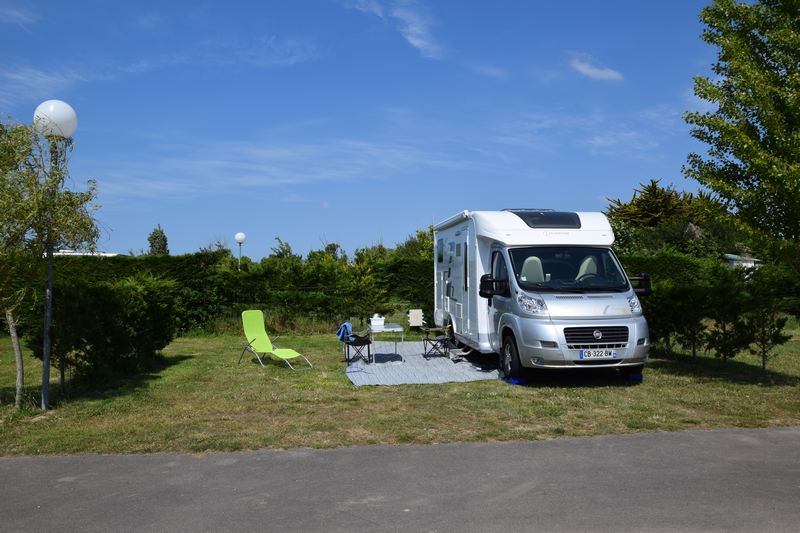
[509, 358]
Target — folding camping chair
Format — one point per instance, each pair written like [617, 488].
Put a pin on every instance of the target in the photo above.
[354, 341]
[436, 341]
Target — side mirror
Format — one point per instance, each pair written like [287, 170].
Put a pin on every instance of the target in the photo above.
[641, 284]
[486, 289]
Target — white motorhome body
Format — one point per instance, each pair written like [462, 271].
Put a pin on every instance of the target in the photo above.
[559, 297]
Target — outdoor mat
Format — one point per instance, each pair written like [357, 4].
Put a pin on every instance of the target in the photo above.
[407, 365]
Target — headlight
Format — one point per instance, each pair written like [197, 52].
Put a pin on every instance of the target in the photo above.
[531, 304]
[636, 306]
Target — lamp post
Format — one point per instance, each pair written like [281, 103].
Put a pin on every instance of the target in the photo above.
[56, 120]
[240, 238]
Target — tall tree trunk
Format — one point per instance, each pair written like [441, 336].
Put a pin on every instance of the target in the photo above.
[12, 329]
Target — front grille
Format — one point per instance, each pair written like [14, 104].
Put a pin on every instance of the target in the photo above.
[597, 362]
[584, 338]
[596, 346]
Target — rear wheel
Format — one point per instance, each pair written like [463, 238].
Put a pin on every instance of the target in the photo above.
[509, 358]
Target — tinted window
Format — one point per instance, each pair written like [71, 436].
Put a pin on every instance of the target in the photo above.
[499, 273]
[549, 219]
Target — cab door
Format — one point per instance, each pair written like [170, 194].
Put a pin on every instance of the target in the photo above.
[500, 302]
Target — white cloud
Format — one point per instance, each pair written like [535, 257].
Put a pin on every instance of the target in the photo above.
[664, 117]
[29, 84]
[622, 142]
[270, 51]
[415, 26]
[372, 7]
[19, 16]
[208, 168]
[490, 71]
[150, 21]
[560, 131]
[409, 18]
[583, 64]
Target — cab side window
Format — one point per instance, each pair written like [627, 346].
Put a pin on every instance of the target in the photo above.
[500, 274]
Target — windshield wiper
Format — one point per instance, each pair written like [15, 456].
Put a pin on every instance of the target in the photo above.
[616, 288]
[542, 287]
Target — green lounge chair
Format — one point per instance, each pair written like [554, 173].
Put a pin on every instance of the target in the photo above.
[259, 343]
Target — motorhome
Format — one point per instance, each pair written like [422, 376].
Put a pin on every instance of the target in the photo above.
[541, 288]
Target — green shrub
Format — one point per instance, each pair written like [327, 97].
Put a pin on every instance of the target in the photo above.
[409, 279]
[681, 285]
[107, 327]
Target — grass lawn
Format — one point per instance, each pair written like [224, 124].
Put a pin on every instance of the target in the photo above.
[198, 399]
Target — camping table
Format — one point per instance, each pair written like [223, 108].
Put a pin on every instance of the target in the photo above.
[387, 328]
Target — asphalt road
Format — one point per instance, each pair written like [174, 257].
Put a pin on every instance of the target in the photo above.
[728, 480]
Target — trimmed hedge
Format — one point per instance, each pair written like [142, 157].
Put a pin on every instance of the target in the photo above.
[107, 327]
[669, 265]
[409, 279]
[199, 295]
[208, 289]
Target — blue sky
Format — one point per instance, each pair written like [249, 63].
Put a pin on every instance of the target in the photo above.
[353, 121]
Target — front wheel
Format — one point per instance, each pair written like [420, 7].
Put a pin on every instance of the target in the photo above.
[627, 371]
[509, 358]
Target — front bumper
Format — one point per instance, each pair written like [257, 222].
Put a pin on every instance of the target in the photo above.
[543, 344]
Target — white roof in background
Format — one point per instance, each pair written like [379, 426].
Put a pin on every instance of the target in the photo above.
[79, 253]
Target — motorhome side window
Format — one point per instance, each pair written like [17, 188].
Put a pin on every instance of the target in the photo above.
[440, 251]
[499, 274]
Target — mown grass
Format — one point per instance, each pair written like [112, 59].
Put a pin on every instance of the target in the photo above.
[198, 399]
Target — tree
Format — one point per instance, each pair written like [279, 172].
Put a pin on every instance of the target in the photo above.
[727, 303]
[753, 161]
[365, 294]
[690, 300]
[158, 242]
[418, 245]
[765, 319]
[18, 256]
[44, 215]
[659, 217]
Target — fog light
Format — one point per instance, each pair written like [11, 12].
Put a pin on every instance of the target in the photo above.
[537, 361]
[641, 342]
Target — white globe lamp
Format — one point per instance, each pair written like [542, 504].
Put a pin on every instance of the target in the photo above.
[240, 238]
[55, 118]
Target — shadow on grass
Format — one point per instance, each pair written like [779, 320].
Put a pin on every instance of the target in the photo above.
[96, 386]
[702, 367]
[732, 371]
[576, 378]
[581, 377]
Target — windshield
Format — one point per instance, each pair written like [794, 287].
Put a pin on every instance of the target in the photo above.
[567, 269]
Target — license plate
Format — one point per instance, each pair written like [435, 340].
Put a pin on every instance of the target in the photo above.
[598, 354]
